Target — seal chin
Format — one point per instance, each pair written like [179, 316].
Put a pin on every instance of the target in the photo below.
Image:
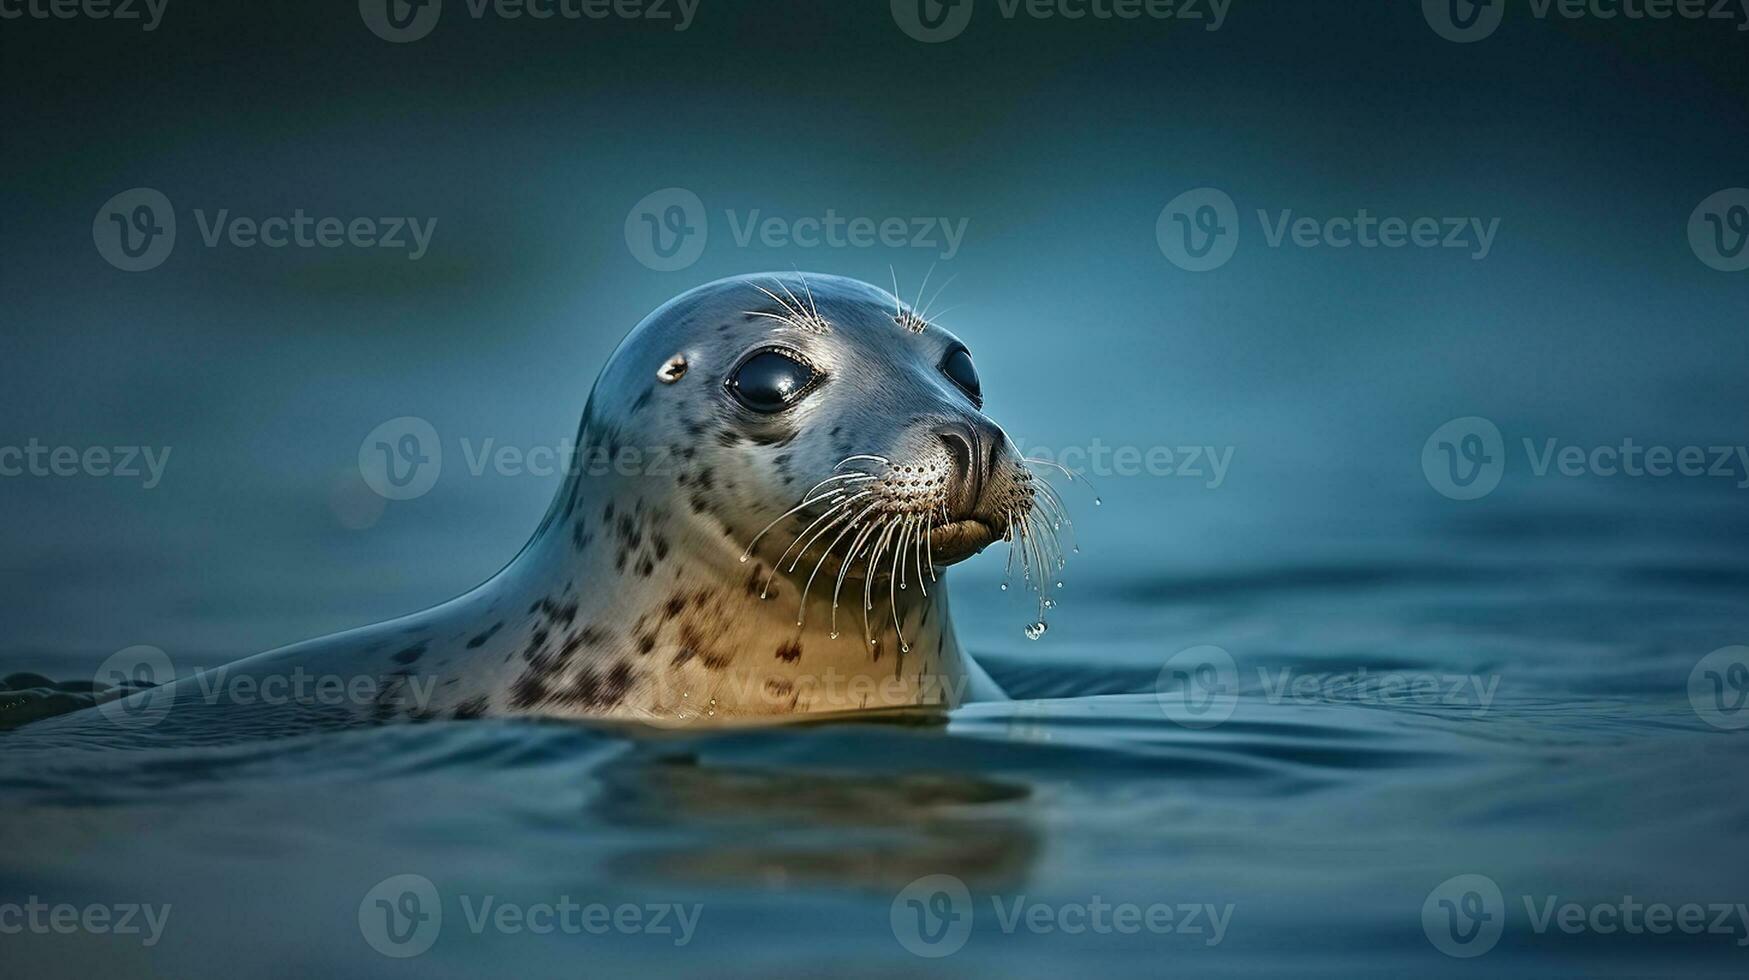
[955, 542]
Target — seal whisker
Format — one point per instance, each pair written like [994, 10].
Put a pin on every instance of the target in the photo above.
[917, 550]
[802, 605]
[1071, 474]
[922, 286]
[844, 569]
[929, 544]
[893, 589]
[879, 459]
[828, 495]
[840, 509]
[802, 614]
[874, 558]
[938, 291]
[779, 300]
[801, 311]
[813, 308]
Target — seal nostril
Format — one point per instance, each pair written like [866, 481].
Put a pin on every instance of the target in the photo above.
[961, 449]
[961, 443]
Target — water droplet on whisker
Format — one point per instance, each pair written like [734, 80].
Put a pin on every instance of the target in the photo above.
[1035, 630]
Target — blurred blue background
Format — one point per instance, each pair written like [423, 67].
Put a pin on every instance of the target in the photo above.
[1324, 372]
[1057, 142]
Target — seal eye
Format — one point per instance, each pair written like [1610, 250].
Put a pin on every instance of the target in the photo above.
[771, 380]
[958, 368]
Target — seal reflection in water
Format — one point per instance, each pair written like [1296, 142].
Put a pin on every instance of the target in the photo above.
[773, 472]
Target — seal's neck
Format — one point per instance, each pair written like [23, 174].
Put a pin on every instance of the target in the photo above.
[620, 606]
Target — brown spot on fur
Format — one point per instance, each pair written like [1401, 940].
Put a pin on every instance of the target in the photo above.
[528, 691]
[790, 652]
[471, 708]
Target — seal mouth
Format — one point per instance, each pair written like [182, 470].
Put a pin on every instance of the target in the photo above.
[956, 541]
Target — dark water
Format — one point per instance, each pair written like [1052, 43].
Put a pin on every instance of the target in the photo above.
[1542, 735]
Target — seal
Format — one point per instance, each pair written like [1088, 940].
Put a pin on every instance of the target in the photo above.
[773, 473]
